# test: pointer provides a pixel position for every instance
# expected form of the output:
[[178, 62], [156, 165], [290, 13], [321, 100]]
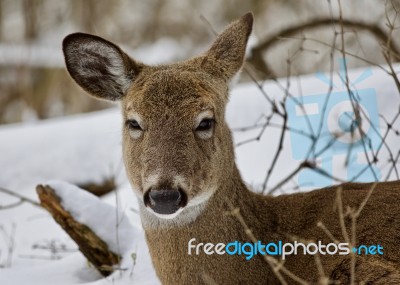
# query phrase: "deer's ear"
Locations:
[[98, 66], [226, 55]]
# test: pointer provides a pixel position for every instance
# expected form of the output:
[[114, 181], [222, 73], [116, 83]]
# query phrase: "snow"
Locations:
[[60, 149], [70, 270], [87, 148]]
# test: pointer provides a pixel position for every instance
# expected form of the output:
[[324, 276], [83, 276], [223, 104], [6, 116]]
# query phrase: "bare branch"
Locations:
[[22, 198], [257, 60]]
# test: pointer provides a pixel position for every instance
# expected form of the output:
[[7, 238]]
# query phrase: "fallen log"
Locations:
[[91, 246]]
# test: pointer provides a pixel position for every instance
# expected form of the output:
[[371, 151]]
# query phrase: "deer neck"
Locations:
[[169, 246]]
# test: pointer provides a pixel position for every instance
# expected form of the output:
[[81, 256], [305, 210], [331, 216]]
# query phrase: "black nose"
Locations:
[[165, 201]]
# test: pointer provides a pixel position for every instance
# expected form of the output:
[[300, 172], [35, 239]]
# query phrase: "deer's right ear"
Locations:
[[100, 67]]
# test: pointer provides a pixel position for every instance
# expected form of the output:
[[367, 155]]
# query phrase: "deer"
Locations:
[[179, 158]]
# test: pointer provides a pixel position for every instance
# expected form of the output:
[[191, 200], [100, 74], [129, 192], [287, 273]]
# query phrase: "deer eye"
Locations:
[[205, 125], [135, 130], [133, 125]]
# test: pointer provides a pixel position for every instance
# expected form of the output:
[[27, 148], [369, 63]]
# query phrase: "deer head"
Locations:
[[177, 147]]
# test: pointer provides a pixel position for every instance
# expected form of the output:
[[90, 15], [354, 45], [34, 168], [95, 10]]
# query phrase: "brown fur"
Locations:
[[169, 151]]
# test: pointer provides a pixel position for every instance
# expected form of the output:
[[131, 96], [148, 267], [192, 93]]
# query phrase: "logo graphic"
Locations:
[[336, 130], [279, 248]]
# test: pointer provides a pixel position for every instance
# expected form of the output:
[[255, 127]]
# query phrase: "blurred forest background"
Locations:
[[34, 84]]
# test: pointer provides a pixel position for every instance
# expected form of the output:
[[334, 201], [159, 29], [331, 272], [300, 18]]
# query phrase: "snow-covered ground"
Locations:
[[86, 148]]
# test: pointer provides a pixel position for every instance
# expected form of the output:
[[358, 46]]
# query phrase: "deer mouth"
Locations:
[[165, 201]]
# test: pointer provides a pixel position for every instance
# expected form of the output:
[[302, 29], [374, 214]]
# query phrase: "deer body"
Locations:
[[281, 218], [179, 158]]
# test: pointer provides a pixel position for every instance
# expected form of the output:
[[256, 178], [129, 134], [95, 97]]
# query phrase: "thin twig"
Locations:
[[22, 198]]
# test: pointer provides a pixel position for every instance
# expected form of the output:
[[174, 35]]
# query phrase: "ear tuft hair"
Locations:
[[98, 66]]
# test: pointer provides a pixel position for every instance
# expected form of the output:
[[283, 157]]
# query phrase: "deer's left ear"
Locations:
[[226, 55]]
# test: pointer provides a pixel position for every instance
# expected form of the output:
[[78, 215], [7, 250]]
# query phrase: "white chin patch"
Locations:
[[166, 217], [190, 213], [200, 199]]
